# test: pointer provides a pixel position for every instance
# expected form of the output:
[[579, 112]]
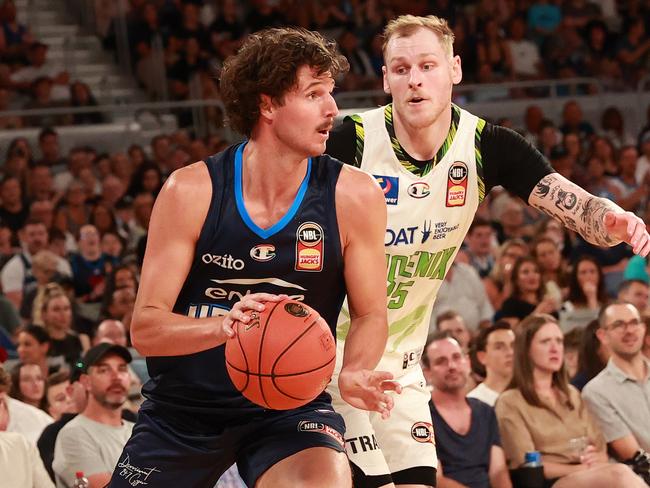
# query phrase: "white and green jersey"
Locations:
[[429, 213]]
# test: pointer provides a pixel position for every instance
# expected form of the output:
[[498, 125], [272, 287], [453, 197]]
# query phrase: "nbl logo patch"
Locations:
[[422, 432], [309, 247], [457, 184], [309, 426]]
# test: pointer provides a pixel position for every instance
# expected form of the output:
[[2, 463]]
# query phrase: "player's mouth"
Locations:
[[324, 131], [415, 100]]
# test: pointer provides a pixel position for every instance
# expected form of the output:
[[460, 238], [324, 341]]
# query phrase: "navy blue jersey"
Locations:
[[300, 256]]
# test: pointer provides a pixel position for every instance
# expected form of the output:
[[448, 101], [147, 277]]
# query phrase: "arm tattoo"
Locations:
[[574, 207]]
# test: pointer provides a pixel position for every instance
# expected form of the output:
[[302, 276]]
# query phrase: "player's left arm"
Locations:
[[598, 220], [523, 170], [361, 213]]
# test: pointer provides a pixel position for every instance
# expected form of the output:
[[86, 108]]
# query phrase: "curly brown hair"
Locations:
[[267, 63]]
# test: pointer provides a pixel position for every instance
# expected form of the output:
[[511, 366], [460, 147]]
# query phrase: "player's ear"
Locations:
[[456, 70], [266, 106], [385, 81]]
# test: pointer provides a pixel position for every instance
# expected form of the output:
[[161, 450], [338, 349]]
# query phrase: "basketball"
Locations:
[[283, 358]]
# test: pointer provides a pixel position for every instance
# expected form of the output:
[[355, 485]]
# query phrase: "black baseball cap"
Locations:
[[94, 354]]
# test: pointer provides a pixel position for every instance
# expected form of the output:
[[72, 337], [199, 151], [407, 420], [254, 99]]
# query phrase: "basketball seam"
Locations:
[[271, 375], [261, 349], [243, 353]]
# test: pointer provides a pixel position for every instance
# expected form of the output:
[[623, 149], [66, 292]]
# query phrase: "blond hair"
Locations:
[[407, 25]]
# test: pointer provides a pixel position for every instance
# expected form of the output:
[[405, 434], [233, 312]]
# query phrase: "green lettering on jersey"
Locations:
[[441, 269]]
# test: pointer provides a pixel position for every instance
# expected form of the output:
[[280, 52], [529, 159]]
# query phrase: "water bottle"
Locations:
[[532, 459], [80, 481]]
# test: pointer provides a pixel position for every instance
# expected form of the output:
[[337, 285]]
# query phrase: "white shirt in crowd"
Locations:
[[26, 420], [20, 463], [485, 394]]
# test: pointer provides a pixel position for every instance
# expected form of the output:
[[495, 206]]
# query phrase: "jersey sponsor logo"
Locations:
[[319, 427], [441, 229], [419, 189], [236, 289], [225, 261], [422, 432], [405, 235], [457, 184], [263, 252], [390, 186], [403, 271], [411, 358], [203, 310], [363, 443], [309, 247]]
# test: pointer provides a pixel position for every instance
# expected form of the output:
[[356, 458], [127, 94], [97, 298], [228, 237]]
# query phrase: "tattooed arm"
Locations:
[[598, 220]]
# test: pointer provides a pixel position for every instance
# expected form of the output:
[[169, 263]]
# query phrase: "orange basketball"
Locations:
[[283, 358]]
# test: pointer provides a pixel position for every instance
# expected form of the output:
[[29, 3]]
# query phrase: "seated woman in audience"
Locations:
[[33, 345], [528, 295], [57, 318], [28, 385], [542, 412], [59, 400], [498, 285], [592, 357], [547, 254], [586, 294]]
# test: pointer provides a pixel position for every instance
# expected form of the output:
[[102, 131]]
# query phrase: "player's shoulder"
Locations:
[[356, 184], [187, 183]]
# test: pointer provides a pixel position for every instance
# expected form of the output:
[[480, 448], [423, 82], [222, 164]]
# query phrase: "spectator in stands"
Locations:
[[73, 212], [544, 17], [22, 418], [586, 294], [643, 163], [20, 464], [48, 143], [632, 195], [619, 397], [547, 254], [636, 292], [480, 240], [41, 92], [462, 290], [227, 31], [28, 385], [524, 54], [13, 209], [142, 207], [15, 38], [81, 96], [137, 156], [90, 266], [120, 305], [78, 159], [113, 189], [632, 51], [466, 430], [59, 400], [361, 75], [103, 219], [161, 149], [573, 121], [498, 285], [543, 412], [147, 178], [613, 127], [33, 344], [572, 341], [597, 183], [603, 148], [493, 50], [113, 245], [57, 320], [592, 357], [92, 441], [494, 350], [8, 121], [20, 146], [533, 121], [528, 294], [39, 68], [41, 184], [452, 323], [17, 273], [263, 15]]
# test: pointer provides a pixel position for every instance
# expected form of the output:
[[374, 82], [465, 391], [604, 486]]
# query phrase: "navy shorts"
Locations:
[[163, 452]]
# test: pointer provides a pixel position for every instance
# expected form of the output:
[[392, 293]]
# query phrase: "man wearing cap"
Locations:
[[92, 441]]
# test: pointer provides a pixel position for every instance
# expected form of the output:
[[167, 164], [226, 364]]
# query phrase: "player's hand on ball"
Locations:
[[240, 312], [366, 389]]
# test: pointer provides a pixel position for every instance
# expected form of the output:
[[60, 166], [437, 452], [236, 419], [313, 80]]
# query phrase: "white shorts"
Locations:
[[404, 441]]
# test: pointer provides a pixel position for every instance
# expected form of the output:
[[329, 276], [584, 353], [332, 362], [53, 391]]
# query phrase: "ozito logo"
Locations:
[[263, 252], [419, 189], [226, 261], [390, 186], [422, 432]]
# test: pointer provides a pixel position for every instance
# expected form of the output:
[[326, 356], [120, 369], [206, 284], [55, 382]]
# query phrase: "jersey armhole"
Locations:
[[480, 125], [359, 136]]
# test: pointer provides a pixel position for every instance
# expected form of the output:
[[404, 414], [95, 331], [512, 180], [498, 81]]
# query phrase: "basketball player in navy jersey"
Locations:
[[435, 163], [262, 220]]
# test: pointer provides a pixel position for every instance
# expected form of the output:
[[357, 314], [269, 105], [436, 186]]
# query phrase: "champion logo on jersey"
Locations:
[[309, 247], [457, 184], [419, 189], [263, 252], [390, 186]]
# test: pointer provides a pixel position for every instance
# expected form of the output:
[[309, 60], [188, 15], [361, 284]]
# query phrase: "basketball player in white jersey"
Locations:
[[435, 163]]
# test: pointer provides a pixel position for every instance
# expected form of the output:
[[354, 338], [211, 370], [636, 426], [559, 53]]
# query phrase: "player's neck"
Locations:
[[271, 172], [423, 143]]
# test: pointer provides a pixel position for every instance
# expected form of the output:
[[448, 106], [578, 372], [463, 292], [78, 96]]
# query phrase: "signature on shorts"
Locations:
[[132, 474]]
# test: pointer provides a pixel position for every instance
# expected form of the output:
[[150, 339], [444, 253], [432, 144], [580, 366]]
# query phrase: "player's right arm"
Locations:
[[176, 222]]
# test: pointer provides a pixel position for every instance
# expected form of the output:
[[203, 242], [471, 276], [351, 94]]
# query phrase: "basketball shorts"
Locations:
[[164, 453], [400, 449]]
